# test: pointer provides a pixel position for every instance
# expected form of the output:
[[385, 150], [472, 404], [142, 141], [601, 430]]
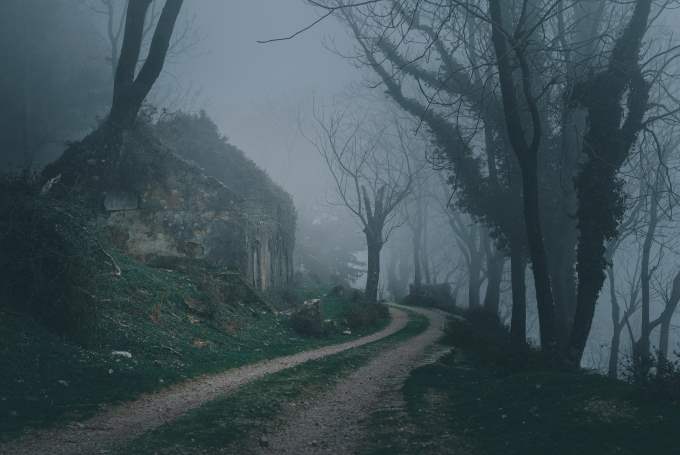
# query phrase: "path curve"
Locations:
[[129, 420], [332, 423]]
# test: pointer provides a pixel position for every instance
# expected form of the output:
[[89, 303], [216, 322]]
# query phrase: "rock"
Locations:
[[120, 201], [124, 354], [200, 344], [264, 442]]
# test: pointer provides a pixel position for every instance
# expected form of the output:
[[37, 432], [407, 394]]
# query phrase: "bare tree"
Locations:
[[114, 12], [543, 84], [621, 314], [609, 137], [671, 301], [372, 174], [526, 147], [131, 88]]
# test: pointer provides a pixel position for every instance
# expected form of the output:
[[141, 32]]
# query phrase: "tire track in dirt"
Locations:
[[333, 423], [113, 428]]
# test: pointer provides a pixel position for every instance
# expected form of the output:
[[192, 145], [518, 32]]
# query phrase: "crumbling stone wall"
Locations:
[[156, 204]]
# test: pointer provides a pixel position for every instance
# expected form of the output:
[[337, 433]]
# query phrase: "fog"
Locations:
[[258, 92], [489, 184]]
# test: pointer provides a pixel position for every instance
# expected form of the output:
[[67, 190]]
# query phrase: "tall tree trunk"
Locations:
[[424, 252], [417, 275], [392, 279], [527, 155], [495, 263], [617, 326], [518, 265], [664, 338], [607, 144], [539, 263], [374, 246], [643, 345], [667, 317], [561, 231], [474, 278]]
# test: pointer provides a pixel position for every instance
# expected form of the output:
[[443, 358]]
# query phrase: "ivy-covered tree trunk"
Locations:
[[609, 138], [613, 368]]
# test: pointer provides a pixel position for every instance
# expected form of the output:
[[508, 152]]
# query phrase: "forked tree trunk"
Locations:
[[527, 155], [607, 144], [130, 91]]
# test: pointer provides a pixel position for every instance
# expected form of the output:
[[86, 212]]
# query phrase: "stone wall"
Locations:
[[268, 210], [156, 205]]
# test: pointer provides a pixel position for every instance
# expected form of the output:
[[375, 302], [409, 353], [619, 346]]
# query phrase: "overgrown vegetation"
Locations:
[[353, 313], [48, 259], [162, 318], [196, 138], [477, 400], [84, 326]]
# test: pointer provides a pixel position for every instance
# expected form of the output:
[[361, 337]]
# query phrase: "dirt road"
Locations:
[[104, 432], [333, 423]]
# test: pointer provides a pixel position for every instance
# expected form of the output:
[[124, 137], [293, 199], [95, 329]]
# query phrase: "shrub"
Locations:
[[361, 315], [47, 259], [654, 376], [307, 321], [483, 337], [431, 295]]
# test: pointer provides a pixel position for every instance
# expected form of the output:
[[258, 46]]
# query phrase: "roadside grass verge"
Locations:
[[223, 425], [175, 324], [466, 404]]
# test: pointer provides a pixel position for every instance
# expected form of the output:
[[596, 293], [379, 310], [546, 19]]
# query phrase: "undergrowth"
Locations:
[[161, 317], [475, 400]]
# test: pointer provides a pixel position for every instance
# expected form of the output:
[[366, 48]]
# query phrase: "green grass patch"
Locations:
[[46, 378], [464, 404], [221, 425]]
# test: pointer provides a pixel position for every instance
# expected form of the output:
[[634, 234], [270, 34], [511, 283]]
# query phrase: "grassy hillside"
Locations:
[[174, 323], [225, 424]]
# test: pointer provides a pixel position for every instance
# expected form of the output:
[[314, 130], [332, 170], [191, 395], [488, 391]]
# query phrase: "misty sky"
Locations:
[[255, 92]]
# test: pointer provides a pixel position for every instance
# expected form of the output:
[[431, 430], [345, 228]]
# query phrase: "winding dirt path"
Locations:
[[332, 424], [127, 421]]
